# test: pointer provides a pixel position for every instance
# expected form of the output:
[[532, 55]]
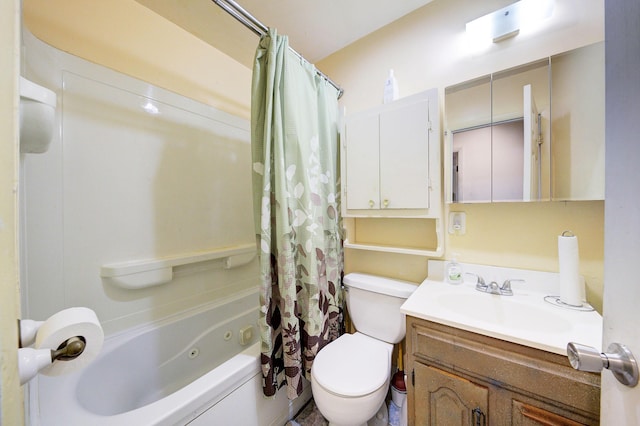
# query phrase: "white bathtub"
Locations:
[[188, 369]]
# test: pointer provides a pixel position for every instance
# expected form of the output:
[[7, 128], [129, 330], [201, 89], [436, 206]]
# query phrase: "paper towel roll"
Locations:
[[70, 323], [571, 284]]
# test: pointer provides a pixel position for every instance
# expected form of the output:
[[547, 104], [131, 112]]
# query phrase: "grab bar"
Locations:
[[139, 274]]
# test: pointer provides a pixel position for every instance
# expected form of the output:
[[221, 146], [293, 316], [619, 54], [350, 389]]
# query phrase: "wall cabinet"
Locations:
[[391, 166], [459, 377], [392, 158], [388, 157]]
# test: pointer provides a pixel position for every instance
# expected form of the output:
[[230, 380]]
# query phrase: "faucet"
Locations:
[[493, 287]]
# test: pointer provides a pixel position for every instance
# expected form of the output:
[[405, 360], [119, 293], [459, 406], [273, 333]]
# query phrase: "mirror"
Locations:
[[529, 133]]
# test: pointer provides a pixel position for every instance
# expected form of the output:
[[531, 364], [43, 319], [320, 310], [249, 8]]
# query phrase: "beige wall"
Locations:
[[426, 49], [11, 404]]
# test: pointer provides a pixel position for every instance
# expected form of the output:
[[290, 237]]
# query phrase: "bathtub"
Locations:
[[191, 369]]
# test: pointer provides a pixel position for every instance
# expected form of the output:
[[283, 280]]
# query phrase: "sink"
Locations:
[[524, 318], [504, 311]]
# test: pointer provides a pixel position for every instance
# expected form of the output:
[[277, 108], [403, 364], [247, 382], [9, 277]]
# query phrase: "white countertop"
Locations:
[[524, 318]]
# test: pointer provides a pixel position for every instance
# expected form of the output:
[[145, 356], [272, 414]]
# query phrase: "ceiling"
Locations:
[[316, 29]]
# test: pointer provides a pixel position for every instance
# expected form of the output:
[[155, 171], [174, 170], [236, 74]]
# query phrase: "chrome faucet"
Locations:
[[493, 287]]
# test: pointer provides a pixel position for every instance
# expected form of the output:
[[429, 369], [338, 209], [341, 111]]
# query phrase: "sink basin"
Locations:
[[504, 311], [524, 318]]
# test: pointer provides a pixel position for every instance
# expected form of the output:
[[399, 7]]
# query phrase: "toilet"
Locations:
[[350, 376]]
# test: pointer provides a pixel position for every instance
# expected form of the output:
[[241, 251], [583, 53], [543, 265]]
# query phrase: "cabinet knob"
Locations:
[[386, 203], [371, 203]]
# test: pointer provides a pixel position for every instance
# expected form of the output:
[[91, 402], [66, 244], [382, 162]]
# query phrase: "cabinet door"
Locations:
[[442, 398], [404, 156], [362, 163]]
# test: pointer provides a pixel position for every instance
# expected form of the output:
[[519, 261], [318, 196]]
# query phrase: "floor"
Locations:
[[308, 416]]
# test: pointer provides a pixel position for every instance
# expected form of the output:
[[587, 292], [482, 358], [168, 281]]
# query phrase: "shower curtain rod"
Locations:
[[249, 21]]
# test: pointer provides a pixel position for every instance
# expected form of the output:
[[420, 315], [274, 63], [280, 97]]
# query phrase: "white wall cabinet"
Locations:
[[388, 153], [391, 163]]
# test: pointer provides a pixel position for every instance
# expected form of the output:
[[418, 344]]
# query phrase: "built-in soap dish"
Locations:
[[37, 116], [555, 301]]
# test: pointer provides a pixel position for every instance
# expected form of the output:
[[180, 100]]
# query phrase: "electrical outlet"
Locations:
[[457, 223]]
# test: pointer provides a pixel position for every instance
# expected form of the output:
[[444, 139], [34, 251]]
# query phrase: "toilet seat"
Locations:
[[353, 365]]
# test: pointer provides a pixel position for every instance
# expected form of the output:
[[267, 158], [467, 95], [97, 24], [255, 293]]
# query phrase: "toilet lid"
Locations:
[[353, 365]]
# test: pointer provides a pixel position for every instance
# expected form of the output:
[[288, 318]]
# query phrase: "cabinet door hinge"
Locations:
[[413, 378], [429, 125]]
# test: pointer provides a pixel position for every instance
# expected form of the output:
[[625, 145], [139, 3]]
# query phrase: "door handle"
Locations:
[[618, 359]]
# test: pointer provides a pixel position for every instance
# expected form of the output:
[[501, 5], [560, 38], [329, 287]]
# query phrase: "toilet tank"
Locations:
[[374, 305]]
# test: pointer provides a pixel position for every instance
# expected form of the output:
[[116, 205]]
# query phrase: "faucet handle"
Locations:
[[479, 280], [506, 286]]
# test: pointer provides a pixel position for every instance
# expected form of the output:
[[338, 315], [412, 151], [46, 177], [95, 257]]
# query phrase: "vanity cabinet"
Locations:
[[460, 377]]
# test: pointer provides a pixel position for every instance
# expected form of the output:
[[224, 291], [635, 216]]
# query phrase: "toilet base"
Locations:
[[340, 411]]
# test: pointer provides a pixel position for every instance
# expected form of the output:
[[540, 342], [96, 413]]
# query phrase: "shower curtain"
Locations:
[[294, 137]]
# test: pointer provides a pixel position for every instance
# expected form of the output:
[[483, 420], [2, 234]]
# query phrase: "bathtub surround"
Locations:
[[134, 173], [294, 116]]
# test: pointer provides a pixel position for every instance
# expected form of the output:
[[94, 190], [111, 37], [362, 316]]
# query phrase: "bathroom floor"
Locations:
[[308, 416]]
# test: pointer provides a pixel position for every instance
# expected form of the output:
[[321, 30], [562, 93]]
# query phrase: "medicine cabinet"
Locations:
[[530, 133]]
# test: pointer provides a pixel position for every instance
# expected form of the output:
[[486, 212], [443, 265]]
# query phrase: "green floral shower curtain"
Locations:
[[294, 133]]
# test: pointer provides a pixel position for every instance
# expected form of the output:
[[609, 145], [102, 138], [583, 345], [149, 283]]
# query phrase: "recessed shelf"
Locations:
[[419, 237], [392, 249]]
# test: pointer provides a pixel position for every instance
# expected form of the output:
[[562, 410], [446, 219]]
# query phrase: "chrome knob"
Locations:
[[371, 203], [386, 203], [618, 359]]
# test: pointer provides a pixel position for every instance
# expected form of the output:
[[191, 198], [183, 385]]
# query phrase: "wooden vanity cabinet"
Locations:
[[456, 377]]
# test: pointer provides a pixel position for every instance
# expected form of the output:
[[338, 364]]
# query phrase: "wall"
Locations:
[[427, 49], [11, 411]]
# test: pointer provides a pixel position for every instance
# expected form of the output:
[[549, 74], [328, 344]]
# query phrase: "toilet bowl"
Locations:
[[350, 376], [350, 379]]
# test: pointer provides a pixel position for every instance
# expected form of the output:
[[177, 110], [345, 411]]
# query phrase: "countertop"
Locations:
[[524, 318]]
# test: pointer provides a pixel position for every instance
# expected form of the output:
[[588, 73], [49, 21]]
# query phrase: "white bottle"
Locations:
[[454, 272], [390, 88]]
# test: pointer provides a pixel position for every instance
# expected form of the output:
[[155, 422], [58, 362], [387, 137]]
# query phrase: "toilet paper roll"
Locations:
[[68, 323], [571, 284]]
